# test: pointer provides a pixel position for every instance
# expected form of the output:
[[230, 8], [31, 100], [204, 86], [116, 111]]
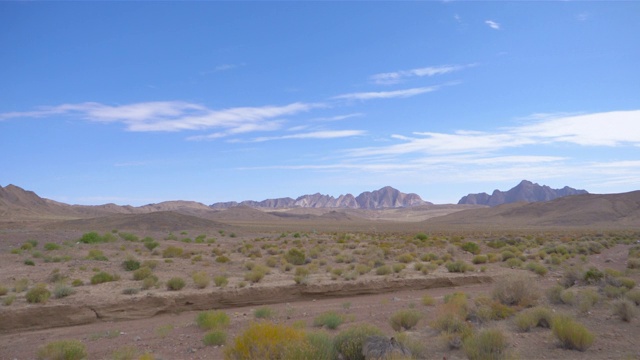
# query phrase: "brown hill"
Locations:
[[587, 210]]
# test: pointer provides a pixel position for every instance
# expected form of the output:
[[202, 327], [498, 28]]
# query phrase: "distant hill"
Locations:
[[588, 210], [526, 191], [386, 197]]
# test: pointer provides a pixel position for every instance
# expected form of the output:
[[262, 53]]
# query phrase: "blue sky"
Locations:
[[142, 102]]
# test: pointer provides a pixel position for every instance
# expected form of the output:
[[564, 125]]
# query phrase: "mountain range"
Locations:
[[525, 191], [386, 197]]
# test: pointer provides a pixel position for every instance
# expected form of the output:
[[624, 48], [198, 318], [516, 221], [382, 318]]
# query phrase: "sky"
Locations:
[[143, 102]]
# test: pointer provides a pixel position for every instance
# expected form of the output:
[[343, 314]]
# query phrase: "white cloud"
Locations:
[[328, 134], [492, 24], [397, 76], [175, 115], [387, 94]]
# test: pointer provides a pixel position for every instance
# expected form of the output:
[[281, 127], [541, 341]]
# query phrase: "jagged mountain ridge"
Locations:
[[525, 191], [386, 197]]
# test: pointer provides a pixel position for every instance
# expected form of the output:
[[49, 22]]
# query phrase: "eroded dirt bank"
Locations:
[[36, 317]]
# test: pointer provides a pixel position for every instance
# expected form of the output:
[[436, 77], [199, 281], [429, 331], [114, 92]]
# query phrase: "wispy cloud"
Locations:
[[387, 94], [398, 76], [175, 116], [327, 134], [337, 117], [492, 24]]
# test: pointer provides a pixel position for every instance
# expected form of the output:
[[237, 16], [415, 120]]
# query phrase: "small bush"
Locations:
[[51, 246], [263, 313], [151, 245], [471, 247], [265, 340], [102, 277], [384, 270], [593, 275], [405, 319], [9, 300], [405, 258], [634, 296], [537, 268], [331, 320], [222, 259], [38, 294], [572, 335], [295, 256], [95, 254], [220, 280], [624, 309], [3, 290], [175, 284], [215, 338], [212, 320], [91, 238], [142, 273], [428, 300], [535, 317], [320, 346], [516, 290], [349, 343], [480, 259], [131, 264], [77, 282], [62, 290], [201, 279], [487, 344], [172, 252], [554, 294], [381, 347], [63, 350], [149, 282], [29, 262], [458, 266]]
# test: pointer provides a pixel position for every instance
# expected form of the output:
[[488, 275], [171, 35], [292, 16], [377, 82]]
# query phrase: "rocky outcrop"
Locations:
[[526, 191]]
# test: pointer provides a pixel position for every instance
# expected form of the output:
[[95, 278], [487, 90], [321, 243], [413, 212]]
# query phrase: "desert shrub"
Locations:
[[553, 294], [593, 275], [142, 273], [381, 347], [295, 256], [429, 257], [471, 247], [384, 270], [572, 335], [486, 344], [77, 282], [149, 282], [9, 300], [131, 264], [458, 266], [614, 292], [627, 282], [349, 343], [362, 269], [624, 309], [175, 284], [38, 294], [130, 291], [128, 237], [428, 300], [3, 290], [320, 346], [125, 353], [633, 263], [151, 244], [102, 277], [398, 267], [329, 319], [220, 280], [91, 238], [405, 319], [480, 259], [21, 285], [215, 338], [95, 254], [151, 264], [506, 255], [265, 340], [405, 258], [172, 252], [568, 297], [212, 320], [255, 275], [516, 290], [634, 296], [51, 246], [200, 279], [222, 259], [29, 262], [63, 350], [263, 313], [571, 277], [586, 299], [534, 317], [513, 263], [422, 236], [537, 268], [62, 290], [485, 309]]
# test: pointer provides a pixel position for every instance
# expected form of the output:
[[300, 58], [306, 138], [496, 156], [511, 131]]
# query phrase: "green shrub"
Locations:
[[222, 259], [63, 350], [398, 267], [102, 277], [62, 290], [486, 344], [200, 279], [265, 340], [634, 296], [405, 319], [516, 290], [220, 280], [151, 245], [29, 262], [51, 246], [537, 268], [458, 266], [330, 319], [535, 317], [471, 247], [320, 347], [172, 252], [422, 236], [38, 294], [21, 285], [128, 237], [624, 309], [295, 256], [593, 275], [215, 338], [554, 294], [614, 292], [91, 238], [175, 284], [627, 282], [254, 275], [405, 258], [633, 263], [131, 264], [9, 300], [572, 335], [3, 290], [384, 270], [480, 259], [349, 343], [95, 254], [142, 273], [428, 300], [212, 320], [149, 282], [263, 313]]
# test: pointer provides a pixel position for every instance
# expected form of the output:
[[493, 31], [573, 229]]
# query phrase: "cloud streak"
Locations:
[[398, 76], [492, 24], [386, 94]]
